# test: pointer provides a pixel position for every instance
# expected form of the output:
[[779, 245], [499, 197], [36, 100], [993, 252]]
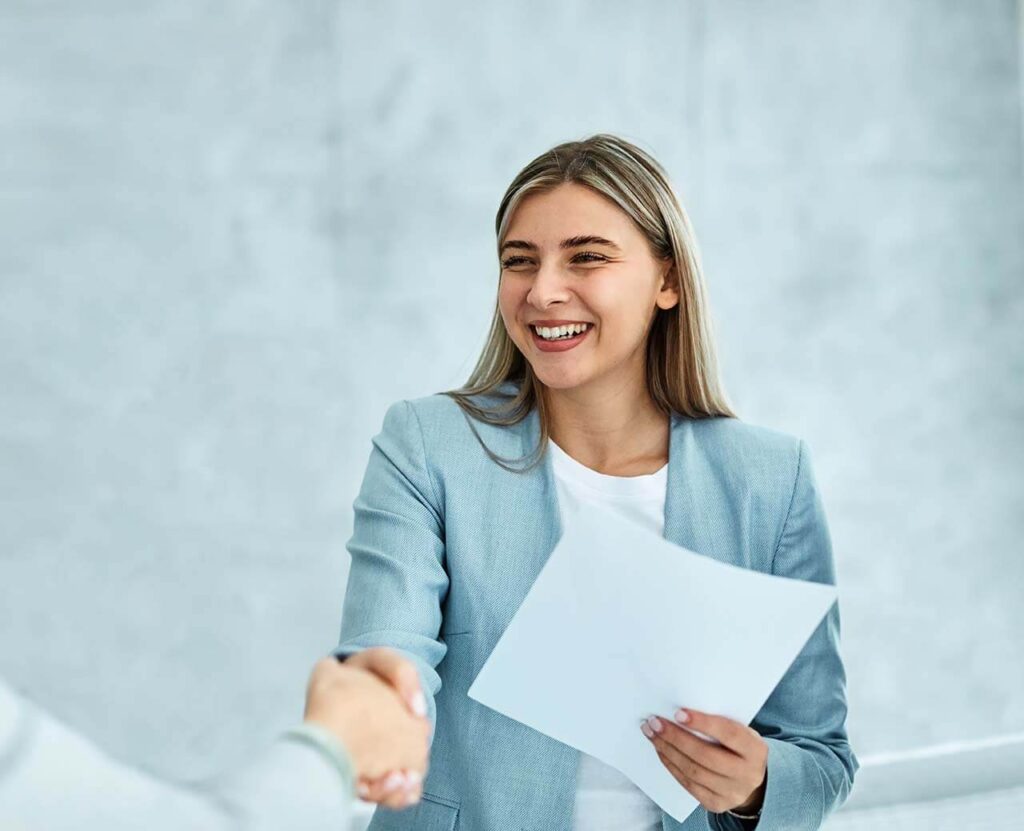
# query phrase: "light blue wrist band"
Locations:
[[329, 746]]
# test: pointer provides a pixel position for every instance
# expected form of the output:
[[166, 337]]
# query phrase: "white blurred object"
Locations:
[[958, 785], [992, 811], [52, 779]]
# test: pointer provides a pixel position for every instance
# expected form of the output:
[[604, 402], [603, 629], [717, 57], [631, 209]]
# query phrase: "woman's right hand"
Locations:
[[397, 788], [376, 719]]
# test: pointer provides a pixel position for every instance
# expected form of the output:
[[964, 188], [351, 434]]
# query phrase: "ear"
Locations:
[[668, 295]]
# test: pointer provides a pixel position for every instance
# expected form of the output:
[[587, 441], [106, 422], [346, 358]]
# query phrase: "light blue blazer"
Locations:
[[446, 544]]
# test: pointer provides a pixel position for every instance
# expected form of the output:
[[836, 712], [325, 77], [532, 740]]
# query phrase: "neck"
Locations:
[[619, 432]]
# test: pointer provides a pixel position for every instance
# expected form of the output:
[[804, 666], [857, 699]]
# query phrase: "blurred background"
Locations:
[[235, 231]]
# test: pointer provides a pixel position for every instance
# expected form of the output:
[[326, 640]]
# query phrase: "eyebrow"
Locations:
[[571, 242]]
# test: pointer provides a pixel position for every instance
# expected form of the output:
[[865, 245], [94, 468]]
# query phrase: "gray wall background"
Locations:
[[234, 232]]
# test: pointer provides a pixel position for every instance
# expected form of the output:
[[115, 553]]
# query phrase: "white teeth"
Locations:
[[554, 333]]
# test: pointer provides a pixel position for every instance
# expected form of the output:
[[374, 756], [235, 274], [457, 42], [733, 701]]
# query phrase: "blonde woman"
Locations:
[[597, 383]]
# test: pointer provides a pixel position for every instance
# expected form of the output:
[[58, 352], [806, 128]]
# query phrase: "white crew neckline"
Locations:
[[643, 486]]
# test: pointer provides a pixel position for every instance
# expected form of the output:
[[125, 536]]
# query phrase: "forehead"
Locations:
[[570, 210]]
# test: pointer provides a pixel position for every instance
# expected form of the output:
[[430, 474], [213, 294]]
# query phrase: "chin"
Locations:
[[559, 380]]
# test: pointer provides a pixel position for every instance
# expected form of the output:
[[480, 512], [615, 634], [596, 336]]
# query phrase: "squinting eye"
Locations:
[[586, 256]]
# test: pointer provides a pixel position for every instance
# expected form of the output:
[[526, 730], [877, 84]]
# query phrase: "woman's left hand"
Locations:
[[729, 776]]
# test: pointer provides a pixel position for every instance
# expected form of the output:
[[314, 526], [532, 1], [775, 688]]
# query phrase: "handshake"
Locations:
[[374, 705]]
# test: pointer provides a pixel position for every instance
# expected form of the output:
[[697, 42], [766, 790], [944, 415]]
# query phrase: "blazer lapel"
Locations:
[[686, 522], [682, 511], [680, 504], [535, 500]]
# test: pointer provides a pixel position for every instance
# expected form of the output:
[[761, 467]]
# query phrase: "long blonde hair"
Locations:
[[682, 371]]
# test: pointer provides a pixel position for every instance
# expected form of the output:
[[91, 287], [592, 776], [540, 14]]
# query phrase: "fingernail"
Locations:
[[646, 730], [419, 703], [656, 724], [413, 777], [393, 780], [682, 716], [363, 790], [412, 798]]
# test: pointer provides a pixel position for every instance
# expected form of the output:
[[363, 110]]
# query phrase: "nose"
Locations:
[[549, 286]]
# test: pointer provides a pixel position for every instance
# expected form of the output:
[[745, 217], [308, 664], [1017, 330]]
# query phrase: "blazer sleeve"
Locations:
[[810, 763], [397, 581]]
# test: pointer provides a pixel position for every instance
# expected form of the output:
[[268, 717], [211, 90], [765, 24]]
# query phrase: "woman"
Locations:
[[600, 351]]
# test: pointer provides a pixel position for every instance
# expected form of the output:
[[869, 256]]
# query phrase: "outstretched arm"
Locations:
[[397, 581]]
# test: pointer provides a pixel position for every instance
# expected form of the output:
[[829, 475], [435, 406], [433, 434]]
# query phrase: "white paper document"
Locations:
[[622, 624]]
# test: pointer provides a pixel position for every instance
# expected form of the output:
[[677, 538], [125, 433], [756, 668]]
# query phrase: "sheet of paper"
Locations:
[[622, 624]]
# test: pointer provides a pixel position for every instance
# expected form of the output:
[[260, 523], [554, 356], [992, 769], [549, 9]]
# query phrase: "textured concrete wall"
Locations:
[[235, 231]]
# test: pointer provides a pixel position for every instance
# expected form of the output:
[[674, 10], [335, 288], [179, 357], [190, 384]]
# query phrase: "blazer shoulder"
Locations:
[[450, 434], [747, 452], [438, 411], [435, 411], [742, 435]]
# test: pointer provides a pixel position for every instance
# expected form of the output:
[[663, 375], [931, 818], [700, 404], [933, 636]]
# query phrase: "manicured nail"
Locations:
[[656, 724], [413, 777], [647, 731], [393, 780], [419, 703], [682, 716]]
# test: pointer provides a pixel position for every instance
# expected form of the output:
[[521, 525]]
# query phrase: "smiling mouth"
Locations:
[[559, 344], [556, 338]]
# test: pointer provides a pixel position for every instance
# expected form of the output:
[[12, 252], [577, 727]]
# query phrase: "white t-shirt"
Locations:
[[605, 799]]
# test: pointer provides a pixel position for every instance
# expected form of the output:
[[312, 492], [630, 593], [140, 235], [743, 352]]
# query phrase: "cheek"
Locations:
[[509, 301]]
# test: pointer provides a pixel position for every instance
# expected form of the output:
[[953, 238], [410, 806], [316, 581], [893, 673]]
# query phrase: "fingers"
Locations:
[[735, 736], [417, 756], [719, 777], [395, 670], [693, 770], [711, 800], [715, 758], [397, 789]]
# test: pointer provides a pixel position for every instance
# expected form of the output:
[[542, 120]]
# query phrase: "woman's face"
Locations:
[[551, 275]]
